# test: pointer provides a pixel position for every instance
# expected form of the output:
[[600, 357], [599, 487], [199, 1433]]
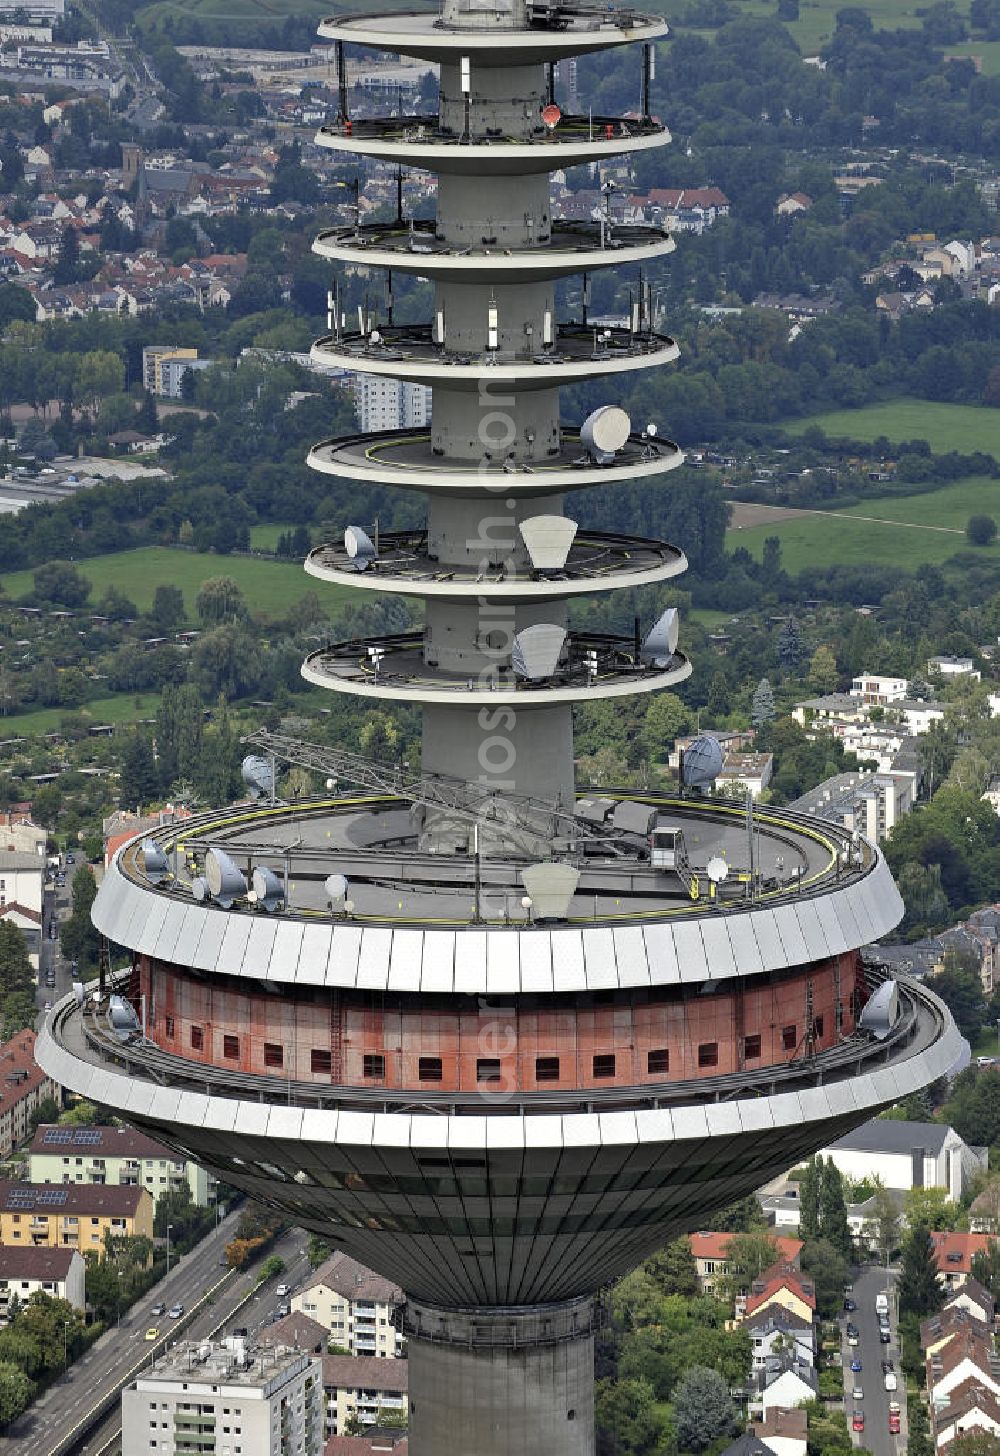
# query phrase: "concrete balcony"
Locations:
[[572, 247], [580, 351], [598, 562], [402, 675], [553, 32], [421, 141], [406, 458]]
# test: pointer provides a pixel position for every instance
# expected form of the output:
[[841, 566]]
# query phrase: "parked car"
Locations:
[[881, 1304], [887, 1365], [856, 1365], [893, 1424], [857, 1393], [890, 1381], [71, 858], [858, 1421], [885, 1337], [284, 1290], [852, 1340], [48, 1006], [852, 1328], [283, 1310], [850, 1306]]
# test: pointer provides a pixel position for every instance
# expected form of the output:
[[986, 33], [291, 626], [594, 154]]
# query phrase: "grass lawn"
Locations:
[[988, 52], [121, 708], [986, 1044], [944, 426], [709, 618], [881, 537], [265, 538], [817, 20], [271, 587]]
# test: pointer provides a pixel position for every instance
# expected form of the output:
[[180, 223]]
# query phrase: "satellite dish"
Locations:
[[660, 642], [225, 879], [154, 862], [359, 547], [551, 886], [604, 432], [551, 115], [337, 890], [199, 889], [717, 869], [535, 651], [268, 889], [258, 775], [702, 762], [548, 540]]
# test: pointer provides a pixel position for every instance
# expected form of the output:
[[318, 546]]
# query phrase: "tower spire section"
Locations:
[[496, 667]]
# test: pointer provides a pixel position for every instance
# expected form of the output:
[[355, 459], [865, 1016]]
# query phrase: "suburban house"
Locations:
[[29, 1270], [972, 1407], [784, 1384], [710, 1251], [782, 1430], [965, 1359], [773, 1329], [975, 1300], [905, 1155], [355, 1306], [952, 1323], [780, 1287], [954, 1253]]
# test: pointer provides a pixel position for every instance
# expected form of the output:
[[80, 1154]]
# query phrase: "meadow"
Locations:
[[945, 427], [270, 587]]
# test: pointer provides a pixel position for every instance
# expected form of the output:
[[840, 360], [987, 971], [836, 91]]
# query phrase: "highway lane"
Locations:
[[239, 1302], [876, 1437]]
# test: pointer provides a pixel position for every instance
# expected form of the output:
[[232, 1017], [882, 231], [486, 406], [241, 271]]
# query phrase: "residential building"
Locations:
[[710, 1252], [77, 1216], [746, 1445], [752, 770], [22, 876], [230, 1399], [774, 1329], [973, 1407], [377, 1441], [18, 835], [868, 803], [23, 1088], [362, 1387], [948, 666], [781, 1210], [791, 203], [780, 1287], [172, 371], [298, 1332], [954, 1253], [782, 1430], [877, 690], [114, 1156], [30, 1270], [960, 1361], [391, 404], [908, 1155], [954, 1322], [153, 358], [976, 1300], [355, 1305], [784, 1384], [831, 710]]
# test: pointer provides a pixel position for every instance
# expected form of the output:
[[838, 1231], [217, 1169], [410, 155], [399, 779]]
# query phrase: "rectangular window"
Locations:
[[374, 1065], [274, 1054], [604, 1066], [658, 1061], [789, 1038], [429, 1069], [197, 1038], [488, 1069], [751, 1047], [231, 1047], [320, 1061], [708, 1054], [170, 1026], [546, 1069], [818, 1026]]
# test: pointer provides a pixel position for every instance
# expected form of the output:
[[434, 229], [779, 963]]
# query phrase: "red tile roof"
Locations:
[[365, 1372], [362, 1446], [715, 1246], [18, 1056], [953, 1252], [773, 1280]]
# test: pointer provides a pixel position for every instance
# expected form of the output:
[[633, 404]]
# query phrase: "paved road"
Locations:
[[875, 1437], [56, 906], [123, 1351]]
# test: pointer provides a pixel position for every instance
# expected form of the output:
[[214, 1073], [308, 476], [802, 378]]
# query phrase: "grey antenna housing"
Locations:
[[604, 432], [535, 651], [551, 886], [268, 888], [360, 548], [199, 888], [225, 879], [548, 540], [337, 890], [881, 1011], [660, 642], [258, 775], [154, 862], [702, 762]]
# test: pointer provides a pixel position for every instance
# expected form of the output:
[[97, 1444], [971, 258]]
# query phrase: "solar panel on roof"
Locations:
[[58, 1135], [87, 1135], [20, 1198], [52, 1196]]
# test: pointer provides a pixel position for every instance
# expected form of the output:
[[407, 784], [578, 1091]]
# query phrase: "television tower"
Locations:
[[497, 1041]]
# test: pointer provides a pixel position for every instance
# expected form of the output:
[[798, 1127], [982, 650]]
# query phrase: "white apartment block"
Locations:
[[228, 1399], [364, 1388], [114, 1155], [59, 1273], [355, 1305], [391, 404], [878, 690]]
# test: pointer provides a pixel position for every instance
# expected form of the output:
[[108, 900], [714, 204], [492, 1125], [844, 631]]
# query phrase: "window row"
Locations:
[[320, 1059]]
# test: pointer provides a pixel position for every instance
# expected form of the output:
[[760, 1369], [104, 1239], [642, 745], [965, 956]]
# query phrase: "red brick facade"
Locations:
[[460, 1043]]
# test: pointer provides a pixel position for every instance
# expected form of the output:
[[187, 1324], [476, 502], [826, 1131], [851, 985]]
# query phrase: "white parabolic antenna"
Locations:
[[717, 869], [604, 431]]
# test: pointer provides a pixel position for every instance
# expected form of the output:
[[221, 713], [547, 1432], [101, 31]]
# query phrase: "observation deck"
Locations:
[[554, 32], [421, 141], [598, 561], [573, 247], [407, 459], [581, 351], [402, 674]]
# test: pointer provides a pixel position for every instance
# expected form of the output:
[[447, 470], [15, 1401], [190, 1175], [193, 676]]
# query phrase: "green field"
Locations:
[[265, 538], [259, 12], [121, 708], [891, 534], [945, 427], [988, 52], [271, 587], [817, 19]]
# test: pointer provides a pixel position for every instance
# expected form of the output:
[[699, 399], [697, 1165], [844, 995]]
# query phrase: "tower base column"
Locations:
[[514, 1381]]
